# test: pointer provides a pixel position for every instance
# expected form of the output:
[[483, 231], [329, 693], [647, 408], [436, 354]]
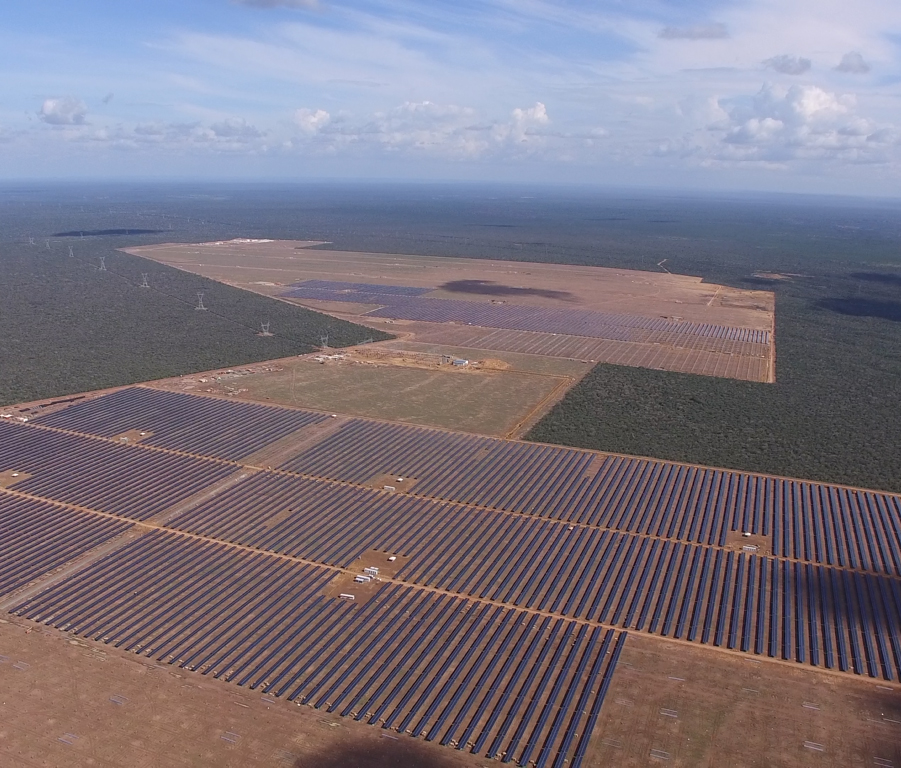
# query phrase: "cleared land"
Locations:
[[499, 396], [454, 289], [673, 705], [265, 267]]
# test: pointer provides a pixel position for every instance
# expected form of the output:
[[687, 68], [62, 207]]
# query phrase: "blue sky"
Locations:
[[792, 95]]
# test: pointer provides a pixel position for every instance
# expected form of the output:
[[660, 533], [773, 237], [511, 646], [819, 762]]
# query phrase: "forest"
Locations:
[[68, 326]]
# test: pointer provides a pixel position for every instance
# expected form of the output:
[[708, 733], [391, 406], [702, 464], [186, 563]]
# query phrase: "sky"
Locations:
[[781, 95]]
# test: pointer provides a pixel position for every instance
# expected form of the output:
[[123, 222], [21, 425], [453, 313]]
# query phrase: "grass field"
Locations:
[[487, 402]]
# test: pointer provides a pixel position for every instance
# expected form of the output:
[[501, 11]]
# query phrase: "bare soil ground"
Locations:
[[265, 266], [674, 705], [488, 397], [68, 703]]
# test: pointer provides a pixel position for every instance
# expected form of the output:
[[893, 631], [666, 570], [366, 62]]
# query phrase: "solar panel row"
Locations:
[[807, 521], [580, 347], [576, 322], [122, 480], [227, 430], [410, 660], [356, 297], [702, 594], [36, 538], [398, 304]]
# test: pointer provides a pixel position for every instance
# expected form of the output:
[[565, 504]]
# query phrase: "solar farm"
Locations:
[[495, 598], [643, 319]]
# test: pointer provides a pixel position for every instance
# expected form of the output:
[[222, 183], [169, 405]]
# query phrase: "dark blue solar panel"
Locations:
[[200, 425], [37, 537]]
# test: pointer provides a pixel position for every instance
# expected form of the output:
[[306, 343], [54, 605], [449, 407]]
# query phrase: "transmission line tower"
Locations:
[[200, 301]]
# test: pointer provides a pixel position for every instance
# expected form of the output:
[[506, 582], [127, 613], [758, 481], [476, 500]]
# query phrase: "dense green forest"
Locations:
[[66, 326]]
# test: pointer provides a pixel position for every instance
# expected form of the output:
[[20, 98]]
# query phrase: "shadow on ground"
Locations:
[[489, 288], [877, 277], [885, 310], [399, 752]]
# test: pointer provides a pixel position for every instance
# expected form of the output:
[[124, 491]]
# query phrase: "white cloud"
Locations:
[[63, 111], [799, 123], [528, 122], [853, 63], [230, 135], [789, 65], [699, 32], [440, 130], [311, 122], [235, 129]]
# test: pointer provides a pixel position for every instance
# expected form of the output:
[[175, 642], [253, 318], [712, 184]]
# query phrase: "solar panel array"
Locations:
[[581, 347], [703, 594], [400, 303], [410, 660], [227, 430], [574, 322], [122, 480], [37, 537], [524, 566], [807, 521]]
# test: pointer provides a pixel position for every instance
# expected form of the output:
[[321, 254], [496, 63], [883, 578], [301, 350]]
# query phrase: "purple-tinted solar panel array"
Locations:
[[632, 543], [124, 480], [36, 537], [573, 322], [823, 616], [404, 303], [807, 521], [410, 660], [188, 423]]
